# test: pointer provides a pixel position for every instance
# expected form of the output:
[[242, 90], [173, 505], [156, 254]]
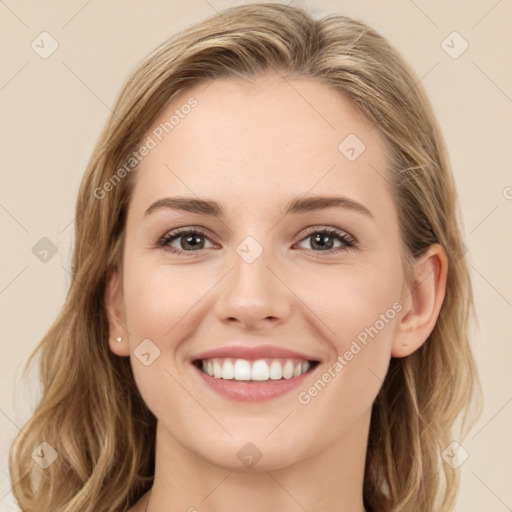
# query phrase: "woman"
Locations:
[[269, 305]]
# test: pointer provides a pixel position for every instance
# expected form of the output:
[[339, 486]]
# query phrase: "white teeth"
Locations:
[[228, 370], [242, 370], [217, 370], [276, 370], [259, 370], [288, 370]]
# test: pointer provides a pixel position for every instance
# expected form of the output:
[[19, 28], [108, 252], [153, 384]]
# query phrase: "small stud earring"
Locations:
[[119, 340]]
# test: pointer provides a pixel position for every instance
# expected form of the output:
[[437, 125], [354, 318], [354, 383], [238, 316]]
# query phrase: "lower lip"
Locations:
[[253, 391]]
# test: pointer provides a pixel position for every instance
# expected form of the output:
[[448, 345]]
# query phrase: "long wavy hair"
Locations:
[[91, 411]]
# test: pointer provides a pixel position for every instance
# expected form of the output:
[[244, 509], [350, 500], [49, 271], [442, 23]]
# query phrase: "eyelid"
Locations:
[[328, 229]]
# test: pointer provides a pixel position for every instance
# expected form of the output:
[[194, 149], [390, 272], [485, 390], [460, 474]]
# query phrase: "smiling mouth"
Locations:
[[259, 370]]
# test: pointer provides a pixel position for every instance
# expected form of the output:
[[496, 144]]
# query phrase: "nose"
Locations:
[[254, 295]]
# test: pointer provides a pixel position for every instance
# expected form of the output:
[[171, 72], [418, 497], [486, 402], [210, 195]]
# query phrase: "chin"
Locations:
[[252, 453]]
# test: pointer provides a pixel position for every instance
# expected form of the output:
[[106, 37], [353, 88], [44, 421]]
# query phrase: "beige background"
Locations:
[[52, 111]]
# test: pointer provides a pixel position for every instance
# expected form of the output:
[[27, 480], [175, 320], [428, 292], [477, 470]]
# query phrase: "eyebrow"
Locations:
[[295, 206]]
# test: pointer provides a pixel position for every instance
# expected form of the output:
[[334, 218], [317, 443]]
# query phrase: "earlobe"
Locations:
[[118, 339], [423, 300]]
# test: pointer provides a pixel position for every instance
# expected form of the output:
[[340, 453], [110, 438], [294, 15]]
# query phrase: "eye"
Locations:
[[323, 240], [190, 240]]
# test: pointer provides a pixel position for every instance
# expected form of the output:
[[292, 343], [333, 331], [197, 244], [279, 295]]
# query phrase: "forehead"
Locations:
[[265, 140]]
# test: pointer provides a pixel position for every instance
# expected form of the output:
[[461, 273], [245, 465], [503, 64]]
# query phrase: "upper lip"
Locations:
[[252, 353]]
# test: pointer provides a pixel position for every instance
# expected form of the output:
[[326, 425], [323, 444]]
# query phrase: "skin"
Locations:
[[252, 147]]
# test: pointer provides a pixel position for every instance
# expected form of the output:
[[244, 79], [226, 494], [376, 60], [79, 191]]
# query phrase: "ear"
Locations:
[[422, 301], [116, 315]]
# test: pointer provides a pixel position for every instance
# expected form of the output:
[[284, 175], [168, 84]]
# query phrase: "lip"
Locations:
[[253, 391], [252, 353]]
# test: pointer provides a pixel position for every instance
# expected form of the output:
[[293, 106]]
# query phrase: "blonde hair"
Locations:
[[91, 412]]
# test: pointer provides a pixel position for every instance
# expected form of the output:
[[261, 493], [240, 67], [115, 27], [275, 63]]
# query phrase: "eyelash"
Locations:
[[348, 242]]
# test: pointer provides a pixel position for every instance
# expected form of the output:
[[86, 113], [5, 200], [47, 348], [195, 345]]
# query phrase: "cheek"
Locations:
[[157, 297], [359, 309], [351, 301], [156, 302]]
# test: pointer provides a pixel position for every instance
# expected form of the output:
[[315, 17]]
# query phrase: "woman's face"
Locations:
[[254, 276]]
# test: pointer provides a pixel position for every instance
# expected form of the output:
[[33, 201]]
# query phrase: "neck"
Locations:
[[329, 481]]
